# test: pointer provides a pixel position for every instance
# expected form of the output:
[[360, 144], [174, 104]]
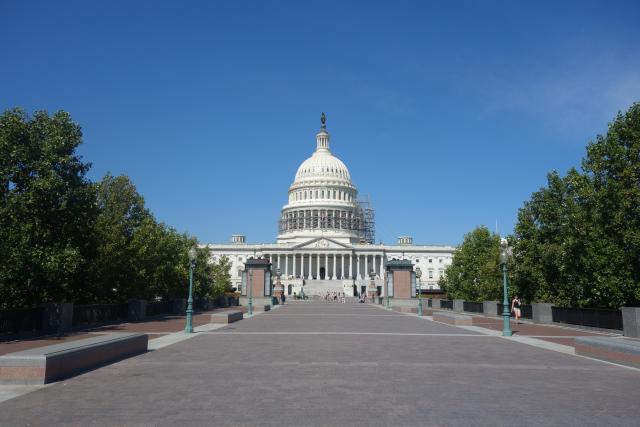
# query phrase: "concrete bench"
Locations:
[[55, 362], [452, 318], [226, 317], [617, 350], [408, 309]]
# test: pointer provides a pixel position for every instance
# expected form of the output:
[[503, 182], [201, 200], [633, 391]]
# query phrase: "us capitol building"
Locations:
[[326, 235]]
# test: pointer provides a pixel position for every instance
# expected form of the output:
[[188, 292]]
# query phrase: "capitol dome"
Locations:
[[322, 199]]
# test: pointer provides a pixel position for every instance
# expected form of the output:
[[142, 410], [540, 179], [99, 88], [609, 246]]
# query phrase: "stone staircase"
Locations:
[[321, 287]]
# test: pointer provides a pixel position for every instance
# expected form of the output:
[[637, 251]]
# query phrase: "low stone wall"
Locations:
[[617, 350], [452, 318], [51, 363]]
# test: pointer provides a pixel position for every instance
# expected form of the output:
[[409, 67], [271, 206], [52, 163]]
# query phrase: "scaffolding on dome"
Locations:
[[368, 222]]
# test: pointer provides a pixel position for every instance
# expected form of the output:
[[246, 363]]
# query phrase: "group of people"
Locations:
[[335, 297]]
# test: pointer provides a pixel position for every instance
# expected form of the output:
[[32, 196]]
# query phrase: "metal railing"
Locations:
[[526, 311], [474, 307], [446, 304], [156, 308], [97, 313], [13, 321], [594, 317]]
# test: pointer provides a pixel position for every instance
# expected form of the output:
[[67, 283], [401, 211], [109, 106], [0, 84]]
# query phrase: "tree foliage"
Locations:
[[577, 241], [63, 238], [474, 274], [47, 208]]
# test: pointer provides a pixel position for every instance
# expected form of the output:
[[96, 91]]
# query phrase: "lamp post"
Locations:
[[192, 262], [386, 282], [250, 284], [504, 255], [419, 289]]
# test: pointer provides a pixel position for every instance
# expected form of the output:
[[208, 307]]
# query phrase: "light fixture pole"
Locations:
[[192, 262], [386, 282], [250, 284], [504, 254], [419, 288]]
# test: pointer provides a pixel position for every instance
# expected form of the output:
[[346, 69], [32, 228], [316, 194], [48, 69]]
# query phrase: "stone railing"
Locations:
[[626, 319]]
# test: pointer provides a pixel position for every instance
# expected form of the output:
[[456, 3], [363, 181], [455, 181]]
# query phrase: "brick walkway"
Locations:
[[553, 333], [318, 364]]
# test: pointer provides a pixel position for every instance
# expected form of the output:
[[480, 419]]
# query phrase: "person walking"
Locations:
[[515, 308]]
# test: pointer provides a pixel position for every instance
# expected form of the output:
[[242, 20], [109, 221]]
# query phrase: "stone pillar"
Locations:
[[349, 266], [541, 312], [342, 266], [334, 266], [375, 265], [401, 272], [137, 310], [435, 303], [309, 266], [631, 321], [366, 265], [490, 308], [57, 317], [294, 265], [357, 266], [286, 265], [318, 267], [458, 305]]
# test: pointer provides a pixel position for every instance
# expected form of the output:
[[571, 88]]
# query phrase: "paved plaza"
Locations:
[[315, 363]]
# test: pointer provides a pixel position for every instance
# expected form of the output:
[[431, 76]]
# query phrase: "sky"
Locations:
[[448, 114]]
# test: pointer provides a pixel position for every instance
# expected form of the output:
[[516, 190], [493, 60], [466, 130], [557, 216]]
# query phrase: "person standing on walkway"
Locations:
[[515, 308]]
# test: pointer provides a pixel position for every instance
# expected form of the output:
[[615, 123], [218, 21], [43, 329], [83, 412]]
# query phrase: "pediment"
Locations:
[[322, 243]]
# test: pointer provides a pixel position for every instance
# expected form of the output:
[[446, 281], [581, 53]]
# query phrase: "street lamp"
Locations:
[[192, 262], [419, 288], [504, 255], [250, 284]]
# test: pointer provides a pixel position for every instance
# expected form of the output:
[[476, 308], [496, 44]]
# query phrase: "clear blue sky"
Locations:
[[448, 115]]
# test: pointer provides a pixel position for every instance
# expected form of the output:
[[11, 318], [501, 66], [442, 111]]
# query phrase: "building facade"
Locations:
[[326, 235]]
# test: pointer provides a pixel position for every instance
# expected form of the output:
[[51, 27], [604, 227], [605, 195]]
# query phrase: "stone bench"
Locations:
[[55, 362], [617, 350], [227, 317], [408, 309], [452, 318]]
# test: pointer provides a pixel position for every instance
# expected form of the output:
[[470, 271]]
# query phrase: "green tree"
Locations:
[[117, 272], [221, 277], [577, 241], [46, 209], [474, 274]]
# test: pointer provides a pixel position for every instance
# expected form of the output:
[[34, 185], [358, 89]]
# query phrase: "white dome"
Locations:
[[322, 200], [322, 164]]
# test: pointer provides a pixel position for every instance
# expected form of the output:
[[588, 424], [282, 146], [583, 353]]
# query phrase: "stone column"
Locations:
[[294, 265], [342, 266], [318, 267], [357, 266], [334, 266], [375, 266], [366, 265], [286, 265]]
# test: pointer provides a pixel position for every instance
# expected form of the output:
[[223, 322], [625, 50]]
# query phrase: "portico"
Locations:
[[327, 265]]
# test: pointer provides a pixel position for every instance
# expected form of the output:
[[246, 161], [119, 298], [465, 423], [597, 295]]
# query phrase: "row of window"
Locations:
[[440, 260], [320, 219], [320, 194]]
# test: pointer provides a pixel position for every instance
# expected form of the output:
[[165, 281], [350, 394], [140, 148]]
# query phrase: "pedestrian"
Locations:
[[515, 308], [284, 298]]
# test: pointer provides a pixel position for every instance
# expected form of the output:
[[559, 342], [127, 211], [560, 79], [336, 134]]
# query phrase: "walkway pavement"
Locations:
[[323, 364]]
